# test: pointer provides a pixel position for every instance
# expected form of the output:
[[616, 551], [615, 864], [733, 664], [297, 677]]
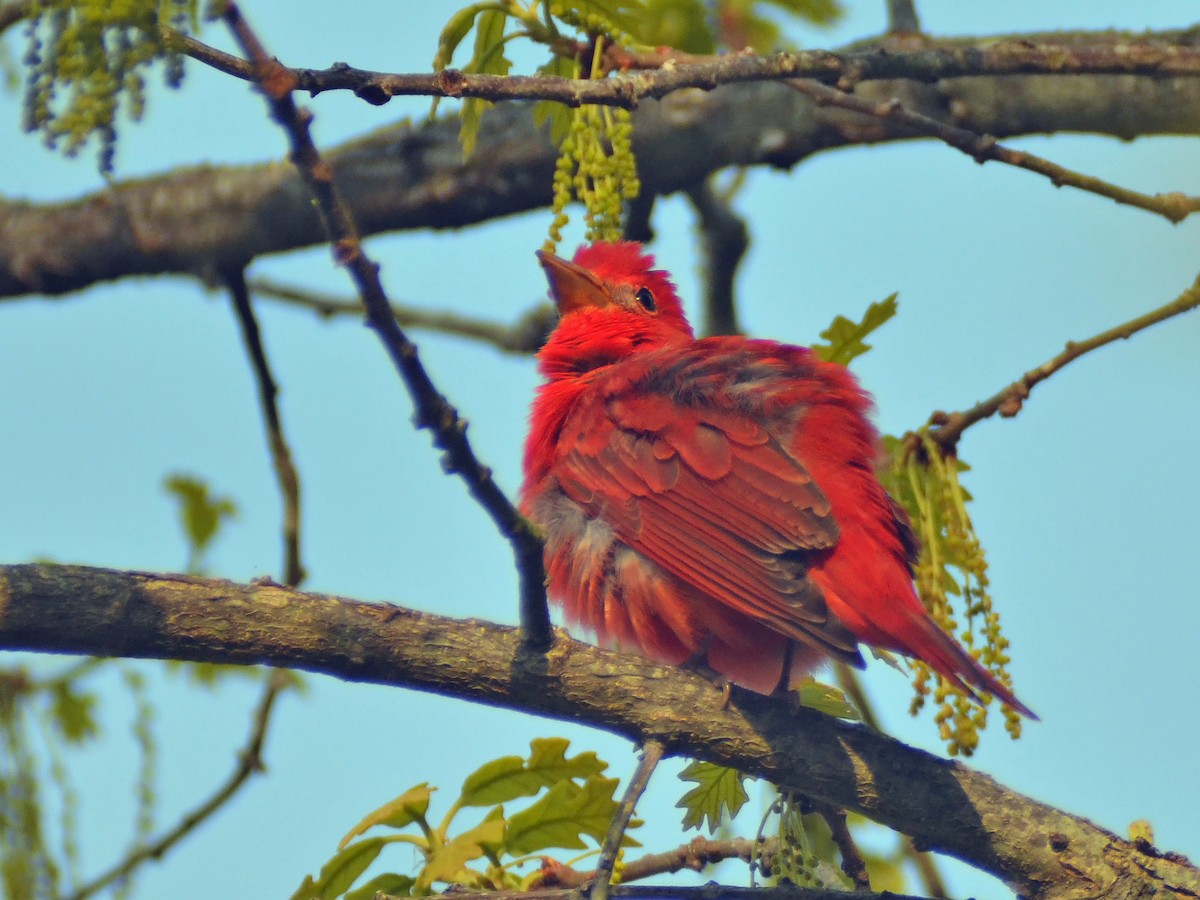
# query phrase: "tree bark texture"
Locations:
[[945, 806], [207, 219]]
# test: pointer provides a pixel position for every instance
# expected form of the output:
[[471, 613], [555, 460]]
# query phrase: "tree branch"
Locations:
[[726, 239], [524, 336], [413, 176], [902, 17], [1043, 853], [947, 428], [281, 454], [701, 892], [433, 410], [928, 64], [249, 763], [1175, 206], [652, 754]]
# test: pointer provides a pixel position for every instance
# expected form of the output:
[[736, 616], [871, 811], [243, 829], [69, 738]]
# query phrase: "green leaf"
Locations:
[[201, 513], [510, 777], [389, 883], [844, 339], [404, 810], [559, 818], [719, 790], [489, 59], [680, 24], [455, 30], [449, 860], [828, 699], [341, 872], [72, 712]]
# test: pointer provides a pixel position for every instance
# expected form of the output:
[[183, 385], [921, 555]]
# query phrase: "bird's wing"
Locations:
[[711, 496]]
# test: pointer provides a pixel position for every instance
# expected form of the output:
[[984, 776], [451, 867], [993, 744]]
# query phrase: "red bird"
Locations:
[[716, 498]]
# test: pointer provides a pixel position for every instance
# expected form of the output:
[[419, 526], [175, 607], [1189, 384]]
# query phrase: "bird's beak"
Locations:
[[572, 286]]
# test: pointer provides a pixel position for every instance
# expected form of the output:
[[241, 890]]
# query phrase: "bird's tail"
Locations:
[[944, 655]]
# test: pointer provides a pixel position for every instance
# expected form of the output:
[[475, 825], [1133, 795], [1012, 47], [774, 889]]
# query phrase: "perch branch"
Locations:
[[1041, 852], [433, 411]]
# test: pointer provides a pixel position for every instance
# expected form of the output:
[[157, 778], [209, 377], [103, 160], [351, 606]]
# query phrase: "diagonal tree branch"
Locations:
[[249, 763], [1043, 853], [433, 410], [947, 428], [1175, 207]]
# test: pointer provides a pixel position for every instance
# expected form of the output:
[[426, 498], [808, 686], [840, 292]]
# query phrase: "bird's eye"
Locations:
[[644, 297]]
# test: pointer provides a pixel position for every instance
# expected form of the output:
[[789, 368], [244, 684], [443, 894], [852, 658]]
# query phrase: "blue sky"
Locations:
[[1085, 502]]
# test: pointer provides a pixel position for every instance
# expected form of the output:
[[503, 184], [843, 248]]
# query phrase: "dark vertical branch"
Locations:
[[726, 240], [433, 410], [652, 754], [902, 17], [281, 454], [853, 863]]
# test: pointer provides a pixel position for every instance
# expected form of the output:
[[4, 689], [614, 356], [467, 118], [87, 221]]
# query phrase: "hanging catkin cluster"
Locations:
[[952, 581], [596, 167]]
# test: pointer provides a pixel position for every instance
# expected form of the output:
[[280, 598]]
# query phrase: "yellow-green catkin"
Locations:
[[84, 58], [595, 166], [952, 581]]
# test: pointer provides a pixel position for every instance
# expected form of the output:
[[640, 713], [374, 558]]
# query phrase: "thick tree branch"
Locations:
[[206, 219], [1041, 852], [433, 410]]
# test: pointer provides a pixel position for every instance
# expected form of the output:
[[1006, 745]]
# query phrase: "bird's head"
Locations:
[[611, 302]]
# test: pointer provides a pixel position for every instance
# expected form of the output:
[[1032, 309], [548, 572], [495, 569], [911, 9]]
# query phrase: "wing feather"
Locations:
[[712, 496]]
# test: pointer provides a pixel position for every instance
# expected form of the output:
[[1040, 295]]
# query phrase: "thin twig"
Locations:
[[652, 78], [696, 855], [433, 411], [947, 428], [853, 863], [902, 17], [726, 239], [652, 754], [684, 892], [1174, 206], [281, 454], [249, 763], [524, 336]]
